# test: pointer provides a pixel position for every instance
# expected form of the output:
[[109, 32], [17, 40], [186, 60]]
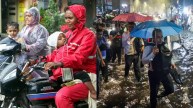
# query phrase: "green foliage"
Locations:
[[52, 19]]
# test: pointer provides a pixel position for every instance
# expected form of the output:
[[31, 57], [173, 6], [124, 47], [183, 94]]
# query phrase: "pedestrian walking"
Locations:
[[102, 43], [116, 45], [159, 58], [133, 47]]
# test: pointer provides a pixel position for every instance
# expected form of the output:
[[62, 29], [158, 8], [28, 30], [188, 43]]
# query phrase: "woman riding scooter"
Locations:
[[79, 54]]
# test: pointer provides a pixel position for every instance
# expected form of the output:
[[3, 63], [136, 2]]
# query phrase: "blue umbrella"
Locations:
[[145, 29]]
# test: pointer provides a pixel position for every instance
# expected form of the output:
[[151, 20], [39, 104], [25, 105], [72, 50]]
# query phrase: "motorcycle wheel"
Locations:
[[22, 101], [12, 103], [7, 103]]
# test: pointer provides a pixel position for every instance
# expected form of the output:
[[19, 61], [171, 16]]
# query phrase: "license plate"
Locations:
[[2, 97]]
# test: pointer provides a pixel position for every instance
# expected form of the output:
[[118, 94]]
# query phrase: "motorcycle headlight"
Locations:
[[11, 75]]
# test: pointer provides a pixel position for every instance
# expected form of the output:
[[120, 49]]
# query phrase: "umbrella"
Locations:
[[132, 17], [145, 29], [148, 18], [120, 17]]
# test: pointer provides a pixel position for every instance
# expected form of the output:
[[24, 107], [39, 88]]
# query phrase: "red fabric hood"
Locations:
[[64, 28], [80, 13]]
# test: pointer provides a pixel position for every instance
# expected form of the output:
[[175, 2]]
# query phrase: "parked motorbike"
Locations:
[[20, 92]]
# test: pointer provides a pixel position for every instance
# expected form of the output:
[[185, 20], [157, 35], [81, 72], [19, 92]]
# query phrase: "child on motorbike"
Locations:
[[57, 40], [12, 30]]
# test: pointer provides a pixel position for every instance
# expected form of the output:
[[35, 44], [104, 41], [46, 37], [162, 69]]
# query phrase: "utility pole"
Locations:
[[90, 11]]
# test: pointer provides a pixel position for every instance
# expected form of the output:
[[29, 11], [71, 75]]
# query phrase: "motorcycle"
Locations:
[[18, 91], [8, 49]]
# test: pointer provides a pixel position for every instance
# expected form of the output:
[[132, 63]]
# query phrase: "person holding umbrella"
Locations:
[[159, 58]]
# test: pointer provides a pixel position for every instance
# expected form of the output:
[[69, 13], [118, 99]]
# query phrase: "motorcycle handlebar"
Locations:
[[28, 70]]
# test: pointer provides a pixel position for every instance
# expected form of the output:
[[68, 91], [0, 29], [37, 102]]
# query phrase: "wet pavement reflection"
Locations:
[[128, 93]]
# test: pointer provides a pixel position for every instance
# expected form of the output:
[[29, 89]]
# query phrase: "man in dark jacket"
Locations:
[[116, 46], [159, 67]]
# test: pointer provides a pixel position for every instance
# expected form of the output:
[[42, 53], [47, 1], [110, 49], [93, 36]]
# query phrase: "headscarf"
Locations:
[[36, 15], [53, 39], [80, 13], [36, 18]]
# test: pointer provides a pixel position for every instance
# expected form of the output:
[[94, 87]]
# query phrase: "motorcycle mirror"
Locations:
[[25, 68]]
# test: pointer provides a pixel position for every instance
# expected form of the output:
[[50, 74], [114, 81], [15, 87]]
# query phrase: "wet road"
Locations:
[[121, 93]]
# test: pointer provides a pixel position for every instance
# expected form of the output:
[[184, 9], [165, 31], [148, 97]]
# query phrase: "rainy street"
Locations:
[[121, 93]]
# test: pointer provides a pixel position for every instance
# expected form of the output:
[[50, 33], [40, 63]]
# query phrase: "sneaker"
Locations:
[[105, 80], [163, 94]]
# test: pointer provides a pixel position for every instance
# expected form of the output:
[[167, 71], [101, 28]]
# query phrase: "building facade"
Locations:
[[13, 10]]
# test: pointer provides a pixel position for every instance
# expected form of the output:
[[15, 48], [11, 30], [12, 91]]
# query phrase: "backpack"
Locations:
[[138, 42], [136, 45]]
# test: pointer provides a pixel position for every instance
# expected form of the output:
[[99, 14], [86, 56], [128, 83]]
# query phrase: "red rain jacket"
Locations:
[[80, 51]]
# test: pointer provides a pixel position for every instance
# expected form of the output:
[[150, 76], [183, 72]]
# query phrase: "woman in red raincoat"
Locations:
[[79, 54]]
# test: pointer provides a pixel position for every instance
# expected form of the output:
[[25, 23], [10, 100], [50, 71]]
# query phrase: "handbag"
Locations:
[[67, 74], [176, 76]]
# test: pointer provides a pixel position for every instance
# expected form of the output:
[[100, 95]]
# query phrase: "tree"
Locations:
[[51, 17]]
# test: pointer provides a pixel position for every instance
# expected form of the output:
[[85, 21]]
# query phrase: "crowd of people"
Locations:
[[117, 43], [114, 43]]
